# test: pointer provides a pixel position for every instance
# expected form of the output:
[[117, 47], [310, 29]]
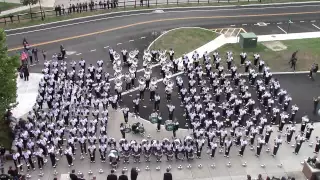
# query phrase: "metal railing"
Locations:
[[130, 4]]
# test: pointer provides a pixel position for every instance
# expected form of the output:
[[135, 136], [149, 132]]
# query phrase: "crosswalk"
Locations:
[[229, 32]]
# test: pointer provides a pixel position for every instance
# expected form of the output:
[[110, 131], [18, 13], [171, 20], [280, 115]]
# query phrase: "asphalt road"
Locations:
[[92, 39]]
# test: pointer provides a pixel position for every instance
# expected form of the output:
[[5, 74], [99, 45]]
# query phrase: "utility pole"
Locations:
[[289, 22]]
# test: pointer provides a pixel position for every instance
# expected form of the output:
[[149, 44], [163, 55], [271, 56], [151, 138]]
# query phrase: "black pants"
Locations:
[[93, 156], [53, 159], [242, 150], [83, 148], [259, 150], [26, 77], [40, 162], [29, 160], [158, 126], [297, 149], [213, 152], [275, 150], [69, 159]]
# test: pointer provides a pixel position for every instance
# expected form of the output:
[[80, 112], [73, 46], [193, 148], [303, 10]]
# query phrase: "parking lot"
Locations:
[[264, 28]]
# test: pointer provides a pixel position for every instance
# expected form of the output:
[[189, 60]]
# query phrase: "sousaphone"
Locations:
[[117, 69], [132, 54], [132, 69], [118, 82], [153, 80], [135, 62], [142, 80], [116, 56]]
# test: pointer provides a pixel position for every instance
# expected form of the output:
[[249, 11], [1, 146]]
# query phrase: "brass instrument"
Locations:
[[132, 69], [142, 80], [153, 80]]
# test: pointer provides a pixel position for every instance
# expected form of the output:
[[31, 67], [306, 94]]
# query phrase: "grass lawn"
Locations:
[[184, 40], [6, 6], [180, 4], [278, 61]]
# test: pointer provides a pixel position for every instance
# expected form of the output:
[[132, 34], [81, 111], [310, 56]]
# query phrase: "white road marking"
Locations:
[[119, 44], [94, 20], [302, 21], [233, 31], [238, 33], [244, 24], [279, 23], [106, 47], [221, 31], [78, 54], [143, 37], [232, 25], [313, 21], [282, 29], [268, 23], [93, 50], [316, 26], [131, 40]]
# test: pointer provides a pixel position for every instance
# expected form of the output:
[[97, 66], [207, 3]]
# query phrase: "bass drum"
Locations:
[[169, 125], [153, 118]]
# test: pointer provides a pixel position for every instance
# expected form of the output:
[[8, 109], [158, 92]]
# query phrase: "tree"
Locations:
[[29, 3], [8, 87]]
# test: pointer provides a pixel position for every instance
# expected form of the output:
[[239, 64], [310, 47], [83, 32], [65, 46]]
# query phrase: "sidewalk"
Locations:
[[44, 3]]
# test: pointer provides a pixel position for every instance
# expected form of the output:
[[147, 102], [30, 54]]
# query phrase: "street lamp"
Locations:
[[154, 34], [40, 10], [289, 25]]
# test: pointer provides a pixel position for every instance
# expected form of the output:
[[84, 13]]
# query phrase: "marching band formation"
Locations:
[[71, 110]]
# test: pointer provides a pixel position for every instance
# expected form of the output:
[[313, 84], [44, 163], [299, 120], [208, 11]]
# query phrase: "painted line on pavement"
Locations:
[[141, 10], [316, 26], [162, 20], [282, 29], [119, 44], [279, 23], [142, 37], [93, 50], [313, 21], [105, 47], [131, 40], [78, 54]]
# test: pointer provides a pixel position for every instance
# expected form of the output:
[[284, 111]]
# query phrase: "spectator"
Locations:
[[26, 73], [248, 177], [268, 178], [73, 175], [259, 177], [4, 177], [167, 175], [283, 178], [12, 172], [134, 174], [81, 177], [123, 176], [112, 176]]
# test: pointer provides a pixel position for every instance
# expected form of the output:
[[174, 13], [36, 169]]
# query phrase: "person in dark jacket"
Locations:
[[167, 175], [26, 73], [73, 175], [134, 174], [112, 176], [123, 176]]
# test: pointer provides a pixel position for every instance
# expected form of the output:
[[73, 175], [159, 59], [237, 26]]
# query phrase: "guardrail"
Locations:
[[133, 4]]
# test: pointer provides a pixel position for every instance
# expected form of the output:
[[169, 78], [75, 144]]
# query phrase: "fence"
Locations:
[[132, 4]]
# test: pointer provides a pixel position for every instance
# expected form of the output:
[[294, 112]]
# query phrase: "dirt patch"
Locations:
[[275, 45]]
